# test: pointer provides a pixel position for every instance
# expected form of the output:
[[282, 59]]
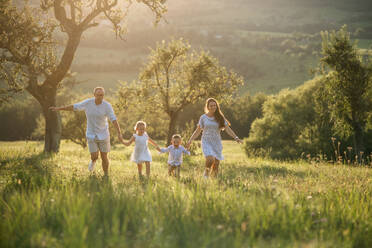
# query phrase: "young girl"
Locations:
[[141, 153], [175, 155]]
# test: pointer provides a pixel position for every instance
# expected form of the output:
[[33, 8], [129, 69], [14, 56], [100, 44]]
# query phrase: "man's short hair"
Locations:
[[98, 88], [176, 136]]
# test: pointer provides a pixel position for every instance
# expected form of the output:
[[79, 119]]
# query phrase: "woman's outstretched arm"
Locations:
[[230, 132], [196, 134]]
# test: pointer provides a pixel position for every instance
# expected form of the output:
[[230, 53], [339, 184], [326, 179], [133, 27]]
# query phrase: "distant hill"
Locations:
[[272, 43]]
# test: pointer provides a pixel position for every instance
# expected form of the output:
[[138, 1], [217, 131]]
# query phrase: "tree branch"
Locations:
[[60, 14]]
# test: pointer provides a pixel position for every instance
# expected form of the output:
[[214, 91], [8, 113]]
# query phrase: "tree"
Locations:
[[176, 77], [347, 84], [242, 111], [290, 124], [28, 50]]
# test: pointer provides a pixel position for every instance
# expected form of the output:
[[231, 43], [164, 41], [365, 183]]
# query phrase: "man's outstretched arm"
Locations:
[[68, 108]]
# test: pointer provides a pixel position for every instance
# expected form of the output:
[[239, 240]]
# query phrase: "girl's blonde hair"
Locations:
[[139, 123]]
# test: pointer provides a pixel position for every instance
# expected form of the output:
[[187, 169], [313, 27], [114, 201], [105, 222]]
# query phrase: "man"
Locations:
[[97, 111]]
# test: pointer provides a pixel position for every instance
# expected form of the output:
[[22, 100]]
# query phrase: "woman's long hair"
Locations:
[[220, 118]]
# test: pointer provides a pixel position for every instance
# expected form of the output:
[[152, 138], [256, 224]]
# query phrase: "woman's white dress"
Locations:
[[141, 151], [211, 137]]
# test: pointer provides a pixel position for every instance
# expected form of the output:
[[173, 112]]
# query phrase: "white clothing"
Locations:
[[211, 137], [95, 145], [141, 151], [97, 125], [175, 154]]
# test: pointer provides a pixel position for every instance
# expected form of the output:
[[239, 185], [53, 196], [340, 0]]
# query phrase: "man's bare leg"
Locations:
[[105, 162]]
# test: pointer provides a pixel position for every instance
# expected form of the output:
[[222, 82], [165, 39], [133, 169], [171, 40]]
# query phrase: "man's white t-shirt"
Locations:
[[97, 115]]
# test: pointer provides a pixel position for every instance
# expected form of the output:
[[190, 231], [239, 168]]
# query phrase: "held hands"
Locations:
[[123, 141], [187, 146], [238, 140], [121, 138]]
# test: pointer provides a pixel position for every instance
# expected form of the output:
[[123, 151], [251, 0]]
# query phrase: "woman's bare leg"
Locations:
[[209, 160], [215, 167]]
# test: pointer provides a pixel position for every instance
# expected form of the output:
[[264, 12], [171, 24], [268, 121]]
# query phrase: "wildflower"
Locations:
[[219, 227], [323, 220], [309, 197], [244, 226]]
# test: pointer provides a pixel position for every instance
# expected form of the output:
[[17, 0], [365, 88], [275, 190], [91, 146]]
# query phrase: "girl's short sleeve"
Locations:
[[226, 123], [201, 122]]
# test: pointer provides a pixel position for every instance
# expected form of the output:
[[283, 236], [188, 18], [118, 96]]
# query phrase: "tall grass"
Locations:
[[52, 201]]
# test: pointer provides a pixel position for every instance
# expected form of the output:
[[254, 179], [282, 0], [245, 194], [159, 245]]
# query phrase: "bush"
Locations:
[[18, 118], [290, 125]]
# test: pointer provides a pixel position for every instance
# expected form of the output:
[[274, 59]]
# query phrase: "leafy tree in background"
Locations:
[[347, 85], [28, 52], [176, 77], [291, 125], [242, 111]]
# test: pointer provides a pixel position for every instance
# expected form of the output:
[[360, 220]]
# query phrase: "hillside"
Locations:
[[247, 36]]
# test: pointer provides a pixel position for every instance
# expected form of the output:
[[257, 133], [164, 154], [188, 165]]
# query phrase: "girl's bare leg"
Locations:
[[147, 169], [139, 166]]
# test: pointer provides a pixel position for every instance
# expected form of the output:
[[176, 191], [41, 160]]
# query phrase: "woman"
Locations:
[[211, 123]]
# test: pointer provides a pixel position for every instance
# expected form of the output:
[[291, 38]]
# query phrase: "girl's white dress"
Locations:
[[141, 151], [211, 137]]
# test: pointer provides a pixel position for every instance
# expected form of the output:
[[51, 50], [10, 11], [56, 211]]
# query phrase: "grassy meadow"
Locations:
[[53, 201]]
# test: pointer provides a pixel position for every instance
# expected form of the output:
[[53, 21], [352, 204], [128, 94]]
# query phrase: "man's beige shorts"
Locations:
[[99, 145]]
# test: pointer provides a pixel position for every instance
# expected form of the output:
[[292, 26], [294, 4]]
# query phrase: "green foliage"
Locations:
[[302, 121], [55, 202], [27, 47], [290, 125], [18, 118], [347, 85], [242, 111]]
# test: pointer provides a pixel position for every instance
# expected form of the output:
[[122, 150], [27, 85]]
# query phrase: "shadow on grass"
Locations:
[[24, 173], [266, 171]]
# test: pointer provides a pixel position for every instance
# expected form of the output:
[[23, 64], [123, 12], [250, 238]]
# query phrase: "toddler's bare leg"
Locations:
[[178, 170]]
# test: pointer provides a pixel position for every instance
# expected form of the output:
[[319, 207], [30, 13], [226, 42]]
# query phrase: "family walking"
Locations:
[[97, 112]]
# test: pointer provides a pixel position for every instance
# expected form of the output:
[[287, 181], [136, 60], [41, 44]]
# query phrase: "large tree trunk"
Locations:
[[172, 126], [53, 126]]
